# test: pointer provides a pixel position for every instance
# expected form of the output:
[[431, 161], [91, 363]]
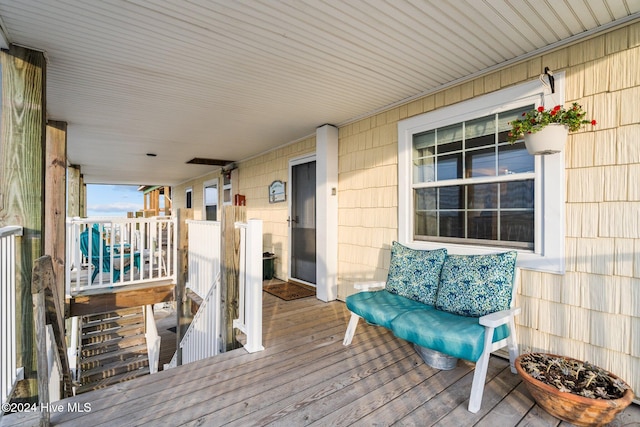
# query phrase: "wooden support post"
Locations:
[[167, 201], [83, 197], [21, 178], [55, 201], [181, 277], [230, 264], [73, 191]]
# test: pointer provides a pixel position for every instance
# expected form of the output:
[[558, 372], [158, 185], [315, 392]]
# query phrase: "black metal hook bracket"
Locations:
[[549, 74]]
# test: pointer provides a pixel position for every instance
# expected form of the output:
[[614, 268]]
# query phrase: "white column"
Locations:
[[253, 292], [327, 212]]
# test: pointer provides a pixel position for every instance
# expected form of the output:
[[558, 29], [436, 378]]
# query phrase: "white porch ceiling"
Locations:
[[230, 79]]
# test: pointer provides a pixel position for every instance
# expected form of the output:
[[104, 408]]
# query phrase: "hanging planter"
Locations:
[[549, 140], [545, 131]]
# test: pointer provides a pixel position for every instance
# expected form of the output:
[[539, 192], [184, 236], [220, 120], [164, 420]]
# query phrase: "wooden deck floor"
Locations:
[[305, 376]]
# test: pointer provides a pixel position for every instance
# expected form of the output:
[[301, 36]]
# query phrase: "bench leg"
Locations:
[[512, 345], [351, 329], [480, 374]]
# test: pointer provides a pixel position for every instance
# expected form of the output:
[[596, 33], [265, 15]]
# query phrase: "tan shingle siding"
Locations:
[[629, 148], [606, 147], [586, 51], [630, 291], [610, 331], [615, 183], [585, 185], [619, 219]]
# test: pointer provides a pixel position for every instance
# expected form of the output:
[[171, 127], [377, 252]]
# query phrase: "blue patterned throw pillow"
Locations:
[[475, 285], [415, 273]]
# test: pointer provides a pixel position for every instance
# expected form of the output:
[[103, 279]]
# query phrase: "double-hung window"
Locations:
[[463, 186], [471, 186]]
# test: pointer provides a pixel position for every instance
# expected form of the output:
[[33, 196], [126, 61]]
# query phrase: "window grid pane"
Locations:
[[500, 212]]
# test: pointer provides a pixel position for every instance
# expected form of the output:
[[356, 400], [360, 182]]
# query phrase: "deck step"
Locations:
[[112, 314], [113, 349], [96, 348], [111, 323], [112, 356], [113, 380], [115, 368], [111, 334]]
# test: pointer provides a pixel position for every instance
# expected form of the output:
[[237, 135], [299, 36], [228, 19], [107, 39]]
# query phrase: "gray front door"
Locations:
[[302, 222]]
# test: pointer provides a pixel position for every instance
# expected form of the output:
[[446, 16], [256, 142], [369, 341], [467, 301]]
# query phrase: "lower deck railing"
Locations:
[[112, 252]]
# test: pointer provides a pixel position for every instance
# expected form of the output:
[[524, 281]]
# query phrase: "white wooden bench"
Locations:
[[457, 305]]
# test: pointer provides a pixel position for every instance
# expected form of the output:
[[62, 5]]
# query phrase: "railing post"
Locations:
[[153, 339], [72, 350], [253, 294]]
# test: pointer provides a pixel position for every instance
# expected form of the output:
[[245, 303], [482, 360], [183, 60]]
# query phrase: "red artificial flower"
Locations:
[[553, 112], [541, 108], [557, 108], [593, 123]]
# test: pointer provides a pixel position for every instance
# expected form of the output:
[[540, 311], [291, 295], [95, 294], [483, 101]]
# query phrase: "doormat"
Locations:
[[289, 291]]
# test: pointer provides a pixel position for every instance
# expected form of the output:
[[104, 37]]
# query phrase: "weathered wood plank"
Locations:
[[84, 304], [510, 410], [230, 365], [231, 373], [441, 405], [280, 400], [391, 381], [389, 413], [307, 376], [495, 390], [272, 380]]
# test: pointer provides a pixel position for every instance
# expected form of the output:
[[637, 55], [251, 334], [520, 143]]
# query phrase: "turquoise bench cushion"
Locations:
[[381, 307], [415, 273], [457, 336], [475, 285]]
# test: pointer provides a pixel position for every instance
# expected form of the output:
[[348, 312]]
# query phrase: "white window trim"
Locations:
[[548, 254]]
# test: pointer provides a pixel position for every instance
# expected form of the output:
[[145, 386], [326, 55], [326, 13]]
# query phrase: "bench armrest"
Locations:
[[366, 286], [498, 318]]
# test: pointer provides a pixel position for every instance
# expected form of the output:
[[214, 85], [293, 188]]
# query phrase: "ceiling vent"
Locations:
[[210, 162]]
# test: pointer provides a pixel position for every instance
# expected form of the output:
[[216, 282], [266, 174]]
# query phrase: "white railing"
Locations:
[[73, 351], [202, 338], [153, 339], [9, 372], [249, 319], [111, 252], [203, 255]]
